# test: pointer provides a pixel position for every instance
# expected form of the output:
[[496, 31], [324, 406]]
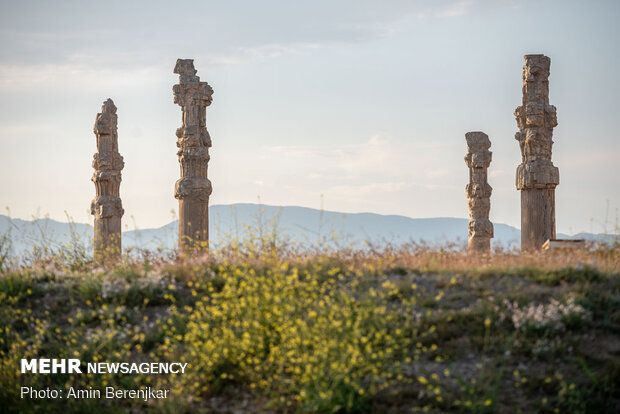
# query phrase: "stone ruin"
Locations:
[[193, 188], [536, 176], [478, 190], [107, 206]]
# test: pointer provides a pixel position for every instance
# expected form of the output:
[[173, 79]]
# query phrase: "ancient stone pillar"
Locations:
[[478, 191], [106, 206], [536, 175], [193, 188]]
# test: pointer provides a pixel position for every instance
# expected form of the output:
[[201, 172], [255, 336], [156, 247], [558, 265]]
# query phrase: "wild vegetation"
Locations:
[[269, 327]]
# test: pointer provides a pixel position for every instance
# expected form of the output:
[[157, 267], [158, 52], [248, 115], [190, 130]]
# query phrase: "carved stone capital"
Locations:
[[193, 188], [111, 161], [478, 190], [480, 228], [106, 206], [537, 174], [100, 176], [193, 155]]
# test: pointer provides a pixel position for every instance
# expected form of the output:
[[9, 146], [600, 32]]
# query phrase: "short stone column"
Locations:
[[193, 188], [536, 176], [107, 206], [478, 190]]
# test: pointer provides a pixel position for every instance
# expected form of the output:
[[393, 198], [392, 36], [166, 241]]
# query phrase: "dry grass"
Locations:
[[269, 327]]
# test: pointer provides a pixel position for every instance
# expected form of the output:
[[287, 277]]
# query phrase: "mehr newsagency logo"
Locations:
[[75, 366]]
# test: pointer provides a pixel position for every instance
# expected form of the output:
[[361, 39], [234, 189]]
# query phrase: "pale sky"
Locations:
[[364, 102]]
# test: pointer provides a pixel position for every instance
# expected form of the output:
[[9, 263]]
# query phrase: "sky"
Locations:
[[352, 106]]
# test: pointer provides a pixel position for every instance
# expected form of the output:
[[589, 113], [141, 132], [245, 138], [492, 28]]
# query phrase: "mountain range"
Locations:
[[305, 225]]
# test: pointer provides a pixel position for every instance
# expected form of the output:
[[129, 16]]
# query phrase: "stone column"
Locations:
[[478, 191], [106, 206], [536, 175], [193, 188]]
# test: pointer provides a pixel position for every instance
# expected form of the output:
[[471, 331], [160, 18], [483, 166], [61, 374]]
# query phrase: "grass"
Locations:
[[267, 327]]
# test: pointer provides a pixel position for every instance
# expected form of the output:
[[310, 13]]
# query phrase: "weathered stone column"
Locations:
[[536, 175], [478, 190], [193, 188], [106, 206]]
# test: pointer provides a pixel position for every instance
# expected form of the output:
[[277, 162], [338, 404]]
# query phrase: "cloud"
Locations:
[[8, 131], [374, 166], [437, 173], [459, 8], [79, 71], [495, 173], [142, 32], [375, 153], [258, 53], [588, 158]]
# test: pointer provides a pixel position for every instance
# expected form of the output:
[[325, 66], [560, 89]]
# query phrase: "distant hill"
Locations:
[[305, 225]]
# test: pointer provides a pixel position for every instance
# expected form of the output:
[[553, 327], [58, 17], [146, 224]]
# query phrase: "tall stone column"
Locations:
[[536, 175], [193, 188], [478, 190], [107, 206]]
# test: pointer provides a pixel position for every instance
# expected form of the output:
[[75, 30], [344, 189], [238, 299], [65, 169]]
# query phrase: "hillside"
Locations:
[[266, 331]]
